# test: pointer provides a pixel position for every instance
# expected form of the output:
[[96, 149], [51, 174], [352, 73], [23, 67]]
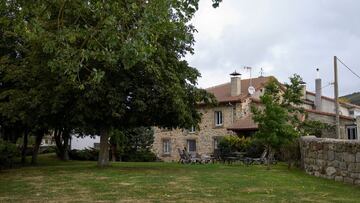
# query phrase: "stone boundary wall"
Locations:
[[331, 158]]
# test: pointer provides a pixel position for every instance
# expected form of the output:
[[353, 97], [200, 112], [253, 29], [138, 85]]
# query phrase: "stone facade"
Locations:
[[236, 114], [204, 136], [331, 158]]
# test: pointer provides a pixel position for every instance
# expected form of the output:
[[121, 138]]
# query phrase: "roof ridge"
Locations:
[[215, 86], [333, 99]]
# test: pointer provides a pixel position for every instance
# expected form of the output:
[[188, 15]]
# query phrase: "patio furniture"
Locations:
[[215, 156], [183, 158], [186, 157], [261, 159], [205, 159]]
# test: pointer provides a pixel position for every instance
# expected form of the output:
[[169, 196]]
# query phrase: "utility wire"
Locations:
[[348, 68], [330, 83]]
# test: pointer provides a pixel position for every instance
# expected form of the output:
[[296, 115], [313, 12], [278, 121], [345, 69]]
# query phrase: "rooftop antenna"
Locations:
[[251, 89], [261, 72], [250, 69]]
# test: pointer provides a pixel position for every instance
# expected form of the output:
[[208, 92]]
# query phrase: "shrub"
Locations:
[[139, 156], [235, 143], [291, 153], [47, 150], [8, 152], [90, 154]]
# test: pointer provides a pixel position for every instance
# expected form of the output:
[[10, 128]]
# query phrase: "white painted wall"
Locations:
[[82, 143]]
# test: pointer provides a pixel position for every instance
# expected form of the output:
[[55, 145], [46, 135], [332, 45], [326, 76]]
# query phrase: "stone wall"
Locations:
[[204, 135], [331, 158]]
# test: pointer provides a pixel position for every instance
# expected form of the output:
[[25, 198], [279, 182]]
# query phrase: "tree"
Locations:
[[278, 118], [131, 141], [124, 59]]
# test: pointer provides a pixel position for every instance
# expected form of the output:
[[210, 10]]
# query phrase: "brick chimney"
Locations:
[[318, 103], [235, 88]]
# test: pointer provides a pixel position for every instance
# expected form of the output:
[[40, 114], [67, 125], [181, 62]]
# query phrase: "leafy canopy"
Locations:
[[278, 117]]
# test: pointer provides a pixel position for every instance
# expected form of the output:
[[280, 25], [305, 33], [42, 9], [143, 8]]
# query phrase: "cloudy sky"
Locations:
[[281, 36]]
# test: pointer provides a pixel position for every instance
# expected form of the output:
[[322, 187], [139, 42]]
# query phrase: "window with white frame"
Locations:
[[218, 118], [166, 146], [351, 132], [191, 145], [192, 129]]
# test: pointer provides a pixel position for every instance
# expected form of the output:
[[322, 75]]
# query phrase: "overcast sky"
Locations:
[[281, 36]]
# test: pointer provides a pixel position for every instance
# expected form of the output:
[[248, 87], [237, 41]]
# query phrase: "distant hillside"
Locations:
[[353, 98]]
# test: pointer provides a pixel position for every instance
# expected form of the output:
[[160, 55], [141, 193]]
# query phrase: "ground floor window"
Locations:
[[351, 132], [191, 145], [166, 146], [216, 142]]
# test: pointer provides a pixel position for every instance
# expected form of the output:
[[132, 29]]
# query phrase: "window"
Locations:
[[192, 129], [218, 118], [216, 142], [191, 145], [351, 132], [166, 146]]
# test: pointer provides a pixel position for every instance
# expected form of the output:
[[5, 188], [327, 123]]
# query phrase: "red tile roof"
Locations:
[[222, 92], [332, 99], [246, 123]]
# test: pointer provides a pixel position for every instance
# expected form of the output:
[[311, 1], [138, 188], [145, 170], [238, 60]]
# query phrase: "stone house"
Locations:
[[232, 115]]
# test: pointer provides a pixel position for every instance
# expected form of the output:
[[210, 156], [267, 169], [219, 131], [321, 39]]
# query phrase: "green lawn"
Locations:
[[76, 181]]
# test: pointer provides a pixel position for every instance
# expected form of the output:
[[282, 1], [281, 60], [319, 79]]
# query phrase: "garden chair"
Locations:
[[260, 160], [206, 159], [183, 159], [192, 158]]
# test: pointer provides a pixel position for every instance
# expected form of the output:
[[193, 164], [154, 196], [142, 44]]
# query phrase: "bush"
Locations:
[[47, 150], [234, 143], [8, 152], [290, 153], [90, 154], [255, 149], [139, 156]]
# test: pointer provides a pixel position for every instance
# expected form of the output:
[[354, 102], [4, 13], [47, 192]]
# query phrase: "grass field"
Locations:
[[74, 181]]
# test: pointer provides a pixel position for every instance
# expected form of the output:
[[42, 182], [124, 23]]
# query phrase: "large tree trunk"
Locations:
[[57, 138], [113, 152], [104, 148], [66, 137], [62, 143], [39, 136], [24, 147]]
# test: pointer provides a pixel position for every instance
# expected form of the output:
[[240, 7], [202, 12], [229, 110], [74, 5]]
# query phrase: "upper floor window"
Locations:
[[218, 118], [351, 132], [192, 129]]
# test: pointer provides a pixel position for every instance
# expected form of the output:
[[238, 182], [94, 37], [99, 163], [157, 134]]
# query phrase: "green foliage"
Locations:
[[316, 128], [8, 152], [279, 116], [133, 144], [353, 98], [139, 156], [96, 65], [234, 143], [90, 154]]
